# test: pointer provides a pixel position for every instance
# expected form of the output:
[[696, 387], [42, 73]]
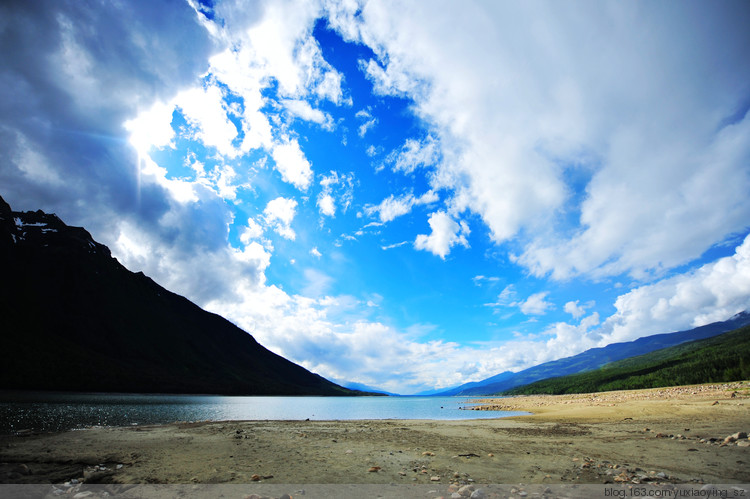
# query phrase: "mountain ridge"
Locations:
[[595, 358], [717, 359], [75, 319]]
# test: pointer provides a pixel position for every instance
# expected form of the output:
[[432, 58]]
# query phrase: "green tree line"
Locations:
[[723, 358]]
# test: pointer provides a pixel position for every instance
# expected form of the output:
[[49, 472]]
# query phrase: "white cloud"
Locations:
[[446, 233], [394, 245], [302, 109], [536, 304], [279, 214], [415, 154], [314, 252], [152, 128], [711, 293], [342, 186], [292, 164], [204, 109], [253, 231], [574, 309], [368, 121], [326, 204], [568, 131], [479, 280], [393, 207]]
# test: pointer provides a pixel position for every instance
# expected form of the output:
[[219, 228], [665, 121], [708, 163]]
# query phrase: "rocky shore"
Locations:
[[688, 435]]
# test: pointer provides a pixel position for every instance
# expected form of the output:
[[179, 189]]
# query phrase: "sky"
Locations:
[[407, 195]]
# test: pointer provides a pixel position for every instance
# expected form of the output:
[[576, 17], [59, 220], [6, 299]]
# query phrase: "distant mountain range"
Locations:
[[718, 359], [73, 318], [594, 358]]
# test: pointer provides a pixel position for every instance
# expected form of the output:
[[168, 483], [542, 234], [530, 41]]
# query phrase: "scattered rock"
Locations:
[[716, 403], [466, 490], [374, 469], [478, 494], [255, 478], [740, 435], [743, 443], [428, 453], [435, 478]]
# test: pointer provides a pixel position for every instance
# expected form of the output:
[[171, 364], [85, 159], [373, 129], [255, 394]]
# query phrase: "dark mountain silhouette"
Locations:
[[595, 358], [73, 318]]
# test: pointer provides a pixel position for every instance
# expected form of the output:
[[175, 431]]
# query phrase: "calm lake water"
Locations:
[[66, 411]]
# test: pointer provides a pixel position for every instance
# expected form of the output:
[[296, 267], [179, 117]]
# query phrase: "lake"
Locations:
[[65, 411]]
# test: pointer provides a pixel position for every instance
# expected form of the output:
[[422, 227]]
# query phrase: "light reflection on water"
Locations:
[[43, 411]]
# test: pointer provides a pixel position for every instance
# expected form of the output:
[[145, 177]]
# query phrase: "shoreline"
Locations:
[[669, 435]]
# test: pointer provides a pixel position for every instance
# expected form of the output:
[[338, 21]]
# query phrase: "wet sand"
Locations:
[[664, 435]]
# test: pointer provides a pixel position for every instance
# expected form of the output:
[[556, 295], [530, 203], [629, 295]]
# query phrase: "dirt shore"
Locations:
[[676, 435]]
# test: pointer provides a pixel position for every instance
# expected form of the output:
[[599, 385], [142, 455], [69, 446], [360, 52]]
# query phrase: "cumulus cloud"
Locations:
[[711, 293], [302, 109], [251, 232], [446, 233], [567, 131], [279, 214], [204, 108], [326, 204], [536, 304], [574, 309], [292, 164]]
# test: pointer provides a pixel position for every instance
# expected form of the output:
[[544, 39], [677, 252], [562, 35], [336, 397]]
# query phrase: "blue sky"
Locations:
[[400, 194]]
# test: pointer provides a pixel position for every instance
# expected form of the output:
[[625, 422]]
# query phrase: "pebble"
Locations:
[[435, 478], [374, 469]]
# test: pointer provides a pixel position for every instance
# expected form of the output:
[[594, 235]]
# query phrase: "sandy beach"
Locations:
[[675, 435]]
